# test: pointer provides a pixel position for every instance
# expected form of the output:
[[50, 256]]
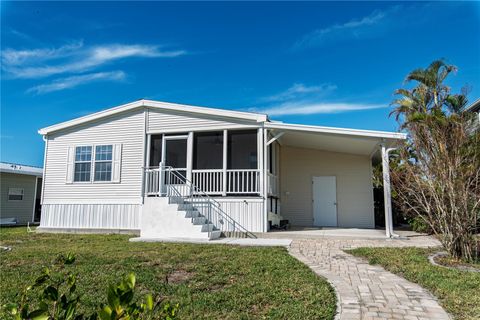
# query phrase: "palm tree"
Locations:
[[430, 98]]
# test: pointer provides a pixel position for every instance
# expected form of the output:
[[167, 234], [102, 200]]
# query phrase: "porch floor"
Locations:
[[348, 233]]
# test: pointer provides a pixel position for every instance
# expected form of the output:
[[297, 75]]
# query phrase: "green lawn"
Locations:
[[208, 281], [458, 291]]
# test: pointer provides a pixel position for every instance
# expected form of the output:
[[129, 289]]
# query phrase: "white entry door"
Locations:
[[324, 201]]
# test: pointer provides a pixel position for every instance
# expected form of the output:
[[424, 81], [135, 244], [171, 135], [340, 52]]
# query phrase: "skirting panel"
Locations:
[[248, 214], [91, 216]]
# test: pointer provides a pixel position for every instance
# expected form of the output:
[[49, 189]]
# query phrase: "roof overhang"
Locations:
[[173, 107], [351, 141], [20, 169], [474, 107]]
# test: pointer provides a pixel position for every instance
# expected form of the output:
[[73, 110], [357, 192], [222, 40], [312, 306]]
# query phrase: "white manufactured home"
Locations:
[[170, 170]]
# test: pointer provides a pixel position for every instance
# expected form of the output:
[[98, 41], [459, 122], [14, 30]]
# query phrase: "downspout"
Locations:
[[387, 193]]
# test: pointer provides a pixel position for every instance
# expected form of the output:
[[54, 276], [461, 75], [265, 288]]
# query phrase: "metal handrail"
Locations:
[[213, 204]]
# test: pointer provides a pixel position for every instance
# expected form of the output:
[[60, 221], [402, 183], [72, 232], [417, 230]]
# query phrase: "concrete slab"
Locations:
[[345, 233], [231, 241]]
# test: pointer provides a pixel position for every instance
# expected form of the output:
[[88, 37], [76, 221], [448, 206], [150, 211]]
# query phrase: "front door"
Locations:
[[324, 201]]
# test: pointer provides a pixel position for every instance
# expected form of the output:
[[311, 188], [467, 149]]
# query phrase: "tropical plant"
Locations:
[[438, 178], [54, 296]]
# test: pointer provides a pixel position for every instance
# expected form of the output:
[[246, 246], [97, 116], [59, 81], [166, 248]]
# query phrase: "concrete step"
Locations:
[[192, 214], [199, 220], [185, 206], [215, 234], [208, 227], [177, 200]]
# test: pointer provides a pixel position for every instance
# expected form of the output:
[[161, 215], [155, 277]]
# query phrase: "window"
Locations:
[[208, 150], [242, 149], [15, 194], [103, 163], [100, 163], [83, 163]]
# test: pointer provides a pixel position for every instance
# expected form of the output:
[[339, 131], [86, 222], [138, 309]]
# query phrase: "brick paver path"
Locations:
[[365, 291]]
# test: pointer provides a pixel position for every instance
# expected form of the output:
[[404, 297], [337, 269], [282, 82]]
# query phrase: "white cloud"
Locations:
[[74, 81], [13, 58], [353, 29], [299, 90], [301, 99], [306, 108], [74, 58]]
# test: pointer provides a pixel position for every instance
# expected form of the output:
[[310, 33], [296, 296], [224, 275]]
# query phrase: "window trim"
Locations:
[[16, 200], [92, 164]]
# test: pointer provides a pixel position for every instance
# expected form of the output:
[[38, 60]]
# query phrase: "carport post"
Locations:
[[387, 194]]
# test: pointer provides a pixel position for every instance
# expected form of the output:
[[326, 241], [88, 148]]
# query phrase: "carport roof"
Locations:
[[353, 141]]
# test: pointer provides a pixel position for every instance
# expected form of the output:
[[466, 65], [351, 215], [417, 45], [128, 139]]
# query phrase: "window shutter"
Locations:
[[117, 162], [70, 164]]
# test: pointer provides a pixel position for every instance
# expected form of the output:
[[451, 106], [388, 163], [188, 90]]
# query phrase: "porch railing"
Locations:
[[172, 184], [242, 181], [238, 181], [210, 181]]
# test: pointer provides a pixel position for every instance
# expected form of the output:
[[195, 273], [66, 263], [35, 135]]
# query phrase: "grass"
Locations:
[[208, 281], [458, 291]]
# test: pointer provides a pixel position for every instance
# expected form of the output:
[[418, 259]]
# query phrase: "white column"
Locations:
[[224, 167], [260, 162], [189, 155], [265, 180], [34, 199], [149, 146], [387, 199]]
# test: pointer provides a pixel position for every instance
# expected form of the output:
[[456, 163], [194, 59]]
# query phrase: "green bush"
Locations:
[[419, 225], [53, 296]]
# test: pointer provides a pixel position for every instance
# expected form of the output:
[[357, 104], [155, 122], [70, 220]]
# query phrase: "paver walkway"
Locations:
[[365, 291]]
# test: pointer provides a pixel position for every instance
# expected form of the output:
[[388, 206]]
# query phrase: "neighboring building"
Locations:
[[475, 107], [20, 188], [170, 170]]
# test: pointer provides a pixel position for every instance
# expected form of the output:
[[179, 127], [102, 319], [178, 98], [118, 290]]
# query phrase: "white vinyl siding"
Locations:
[[354, 185], [125, 132], [168, 121]]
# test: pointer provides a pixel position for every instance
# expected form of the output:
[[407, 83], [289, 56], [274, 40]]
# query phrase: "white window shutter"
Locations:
[[117, 162], [70, 164]]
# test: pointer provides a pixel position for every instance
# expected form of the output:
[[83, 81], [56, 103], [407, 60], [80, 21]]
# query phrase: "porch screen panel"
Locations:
[[155, 150], [208, 161], [242, 149], [242, 175], [208, 150]]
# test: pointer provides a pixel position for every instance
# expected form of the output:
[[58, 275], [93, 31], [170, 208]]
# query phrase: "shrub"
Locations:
[[419, 225], [54, 296]]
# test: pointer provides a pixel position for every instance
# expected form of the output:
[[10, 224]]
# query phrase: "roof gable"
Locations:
[[249, 116]]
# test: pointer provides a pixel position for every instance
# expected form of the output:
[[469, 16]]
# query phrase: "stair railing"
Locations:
[[173, 184]]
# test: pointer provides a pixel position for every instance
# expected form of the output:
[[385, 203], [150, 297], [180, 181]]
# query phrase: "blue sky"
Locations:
[[321, 63]]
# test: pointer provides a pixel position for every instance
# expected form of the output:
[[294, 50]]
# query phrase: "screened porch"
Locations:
[[219, 163]]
